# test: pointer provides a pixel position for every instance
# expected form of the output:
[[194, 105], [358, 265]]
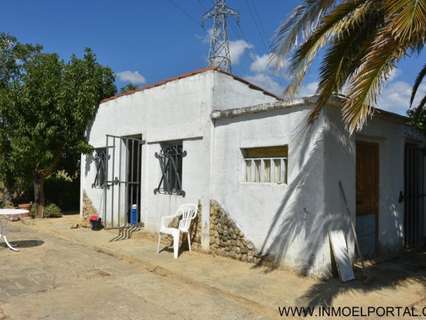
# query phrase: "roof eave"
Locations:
[[335, 101], [190, 74]]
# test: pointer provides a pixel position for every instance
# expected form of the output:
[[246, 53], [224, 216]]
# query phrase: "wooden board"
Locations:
[[341, 255], [367, 178], [367, 196], [266, 152]]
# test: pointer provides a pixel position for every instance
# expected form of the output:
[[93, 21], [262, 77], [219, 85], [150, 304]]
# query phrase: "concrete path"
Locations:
[[62, 273]]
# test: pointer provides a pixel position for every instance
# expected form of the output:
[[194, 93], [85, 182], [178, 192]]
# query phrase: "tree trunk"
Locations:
[[39, 196], [7, 197]]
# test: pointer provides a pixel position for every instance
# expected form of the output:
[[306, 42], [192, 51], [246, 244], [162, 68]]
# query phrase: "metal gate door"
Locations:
[[122, 186], [414, 196], [367, 196]]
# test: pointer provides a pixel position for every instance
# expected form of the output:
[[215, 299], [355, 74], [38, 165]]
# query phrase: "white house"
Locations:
[[209, 135]]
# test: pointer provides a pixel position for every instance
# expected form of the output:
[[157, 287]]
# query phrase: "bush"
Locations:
[[50, 211]]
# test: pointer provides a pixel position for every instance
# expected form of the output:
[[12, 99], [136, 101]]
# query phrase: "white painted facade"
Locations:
[[216, 116], [176, 110]]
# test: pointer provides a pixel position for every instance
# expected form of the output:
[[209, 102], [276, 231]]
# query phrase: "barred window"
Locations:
[[265, 164], [170, 158], [100, 158]]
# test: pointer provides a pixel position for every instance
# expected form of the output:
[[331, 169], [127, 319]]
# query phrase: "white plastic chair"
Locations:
[[188, 212]]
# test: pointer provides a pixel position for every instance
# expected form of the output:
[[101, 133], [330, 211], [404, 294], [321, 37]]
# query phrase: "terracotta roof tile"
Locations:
[[190, 74]]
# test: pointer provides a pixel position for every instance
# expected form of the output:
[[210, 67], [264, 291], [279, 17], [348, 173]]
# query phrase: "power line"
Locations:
[[241, 32], [243, 36], [203, 7], [259, 19], [185, 13], [256, 24]]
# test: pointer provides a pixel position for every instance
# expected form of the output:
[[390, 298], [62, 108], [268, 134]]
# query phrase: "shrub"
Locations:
[[52, 211]]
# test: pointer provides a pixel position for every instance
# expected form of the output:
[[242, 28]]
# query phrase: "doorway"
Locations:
[[134, 159], [414, 196], [367, 196], [122, 187]]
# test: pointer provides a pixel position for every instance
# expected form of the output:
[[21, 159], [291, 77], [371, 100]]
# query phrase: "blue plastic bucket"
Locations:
[[134, 214]]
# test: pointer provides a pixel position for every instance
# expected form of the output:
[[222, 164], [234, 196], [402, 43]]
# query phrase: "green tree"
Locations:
[[13, 56], [45, 112], [363, 41], [128, 87]]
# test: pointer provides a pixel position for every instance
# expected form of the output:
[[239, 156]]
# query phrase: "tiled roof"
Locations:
[[190, 74]]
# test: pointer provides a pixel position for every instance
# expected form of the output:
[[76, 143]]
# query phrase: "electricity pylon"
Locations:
[[219, 54]]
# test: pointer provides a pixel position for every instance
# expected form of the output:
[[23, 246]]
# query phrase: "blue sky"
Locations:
[[145, 41]]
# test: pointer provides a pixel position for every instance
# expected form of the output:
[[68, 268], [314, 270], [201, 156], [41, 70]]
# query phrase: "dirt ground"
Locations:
[[62, 273]]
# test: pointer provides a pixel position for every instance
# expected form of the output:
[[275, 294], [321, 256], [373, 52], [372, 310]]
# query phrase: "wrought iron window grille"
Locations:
[[100, 159], [170, 158]]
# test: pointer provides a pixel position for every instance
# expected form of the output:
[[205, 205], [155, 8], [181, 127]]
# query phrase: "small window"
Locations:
[[100, 159], [170, 158], [266, 164]]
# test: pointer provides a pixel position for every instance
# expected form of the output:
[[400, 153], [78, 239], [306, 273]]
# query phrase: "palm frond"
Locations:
[[421, 105], [335, 24], [367, 81], [407, 19], [417, 83], [343, 57], [299, 25], [365, 39]]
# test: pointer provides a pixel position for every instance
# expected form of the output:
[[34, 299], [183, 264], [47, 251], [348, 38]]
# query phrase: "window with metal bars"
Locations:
[[100, 159], [170, 158], [265, 164]]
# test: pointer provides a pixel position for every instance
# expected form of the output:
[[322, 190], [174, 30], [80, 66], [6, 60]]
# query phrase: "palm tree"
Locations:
[[363, 41], [419, 79], [418, 113]]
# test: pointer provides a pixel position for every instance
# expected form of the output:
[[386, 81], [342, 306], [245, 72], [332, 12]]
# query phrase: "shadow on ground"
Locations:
[[408, 268], [183, 247], [24, 243]]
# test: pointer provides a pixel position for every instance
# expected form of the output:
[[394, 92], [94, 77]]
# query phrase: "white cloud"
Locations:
[[308, 89], [237, 49], [266, 82], [266, 62], [394, 74], [395, 96], [133, 77]]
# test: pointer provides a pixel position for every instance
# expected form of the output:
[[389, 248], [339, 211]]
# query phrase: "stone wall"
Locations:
[[226, 239], [88, 208]]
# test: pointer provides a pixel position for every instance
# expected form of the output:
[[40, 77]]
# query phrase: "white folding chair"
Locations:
[[187, 212]]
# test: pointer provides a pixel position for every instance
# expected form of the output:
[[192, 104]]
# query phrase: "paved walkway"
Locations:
[[63, 273]]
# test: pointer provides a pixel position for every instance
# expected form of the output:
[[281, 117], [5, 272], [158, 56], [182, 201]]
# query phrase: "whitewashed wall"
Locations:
[[292, 221], [391, 136], [177, 110], [281, 220], [229, 93], [288, 221]]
